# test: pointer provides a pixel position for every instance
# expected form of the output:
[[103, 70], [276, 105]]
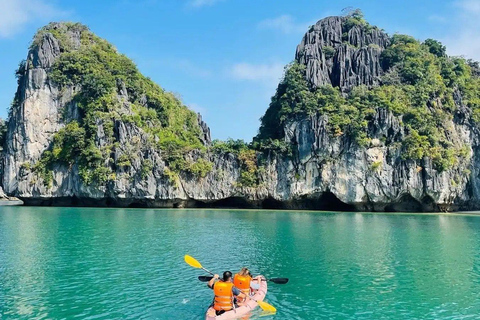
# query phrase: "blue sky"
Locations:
[[223, 57]]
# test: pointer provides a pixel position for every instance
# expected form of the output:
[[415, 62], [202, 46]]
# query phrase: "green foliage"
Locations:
[[377, 165], [419, 85], [249, 173], [147, 167], [26, 166], [328, 51], [60, 32], [474, 67], [294, 99], [43, 168], [428, 81], [171, 176], [200, 168], [401, 47], [436, 48], [97, 175], [124, 161], [108, 82], [277, 146], [293, 94], [68, 143], [355, 18], [22, 67], [416, 146], [229, 146]]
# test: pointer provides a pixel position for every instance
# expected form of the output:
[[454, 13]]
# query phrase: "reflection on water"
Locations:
[[65, 263]]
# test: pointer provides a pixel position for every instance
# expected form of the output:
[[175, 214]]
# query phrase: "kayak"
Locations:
[[258, 295]]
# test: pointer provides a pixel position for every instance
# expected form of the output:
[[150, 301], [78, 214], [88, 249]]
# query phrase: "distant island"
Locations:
[[361, 121]]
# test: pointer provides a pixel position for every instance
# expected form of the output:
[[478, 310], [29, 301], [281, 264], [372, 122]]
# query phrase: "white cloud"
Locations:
[[285, 23], [269, 74], [464, 23], [203, 3], [15, 14]]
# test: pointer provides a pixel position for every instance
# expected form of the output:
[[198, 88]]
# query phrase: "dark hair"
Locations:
[[227, 275]]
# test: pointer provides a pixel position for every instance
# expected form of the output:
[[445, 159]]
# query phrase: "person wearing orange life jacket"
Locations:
[[225, 292], [242, 281]]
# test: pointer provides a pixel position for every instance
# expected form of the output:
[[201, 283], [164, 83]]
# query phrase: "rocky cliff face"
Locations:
[[324, 170], [44, 108], [333, 171], [33, 121], [342, 57]]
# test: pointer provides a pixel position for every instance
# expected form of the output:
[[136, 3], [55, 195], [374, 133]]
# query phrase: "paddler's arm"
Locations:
[[238, 293], [212, 281]]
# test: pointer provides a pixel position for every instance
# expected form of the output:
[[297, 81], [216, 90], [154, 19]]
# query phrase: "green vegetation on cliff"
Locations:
[[420, 84], [295, 99], [108, 87], [247, 156]]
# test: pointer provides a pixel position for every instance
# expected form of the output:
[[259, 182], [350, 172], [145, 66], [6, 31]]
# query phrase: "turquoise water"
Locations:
[[76, 263]]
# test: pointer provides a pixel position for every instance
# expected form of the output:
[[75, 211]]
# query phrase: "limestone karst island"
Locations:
[[224, 159], [361, 120]]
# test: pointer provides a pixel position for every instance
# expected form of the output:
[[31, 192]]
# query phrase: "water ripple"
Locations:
[[77, 263]]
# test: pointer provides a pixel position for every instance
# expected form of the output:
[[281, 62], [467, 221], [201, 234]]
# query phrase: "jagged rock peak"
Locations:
[[68, 32], [343, 52], [73, 83], [205, 135]]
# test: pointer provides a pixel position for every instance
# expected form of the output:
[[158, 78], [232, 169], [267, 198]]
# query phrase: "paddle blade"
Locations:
[[191, 261], [279, 280], [266, 307], [205, 278]]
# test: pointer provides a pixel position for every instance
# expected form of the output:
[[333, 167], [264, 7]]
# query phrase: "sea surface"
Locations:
[[88, 263]]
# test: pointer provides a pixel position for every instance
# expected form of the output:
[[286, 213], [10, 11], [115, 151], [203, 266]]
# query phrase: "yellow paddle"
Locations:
[[266, 306], [191, 261]]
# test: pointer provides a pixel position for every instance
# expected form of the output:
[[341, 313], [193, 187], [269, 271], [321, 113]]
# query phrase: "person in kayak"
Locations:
[[225, 292], [242, 281]]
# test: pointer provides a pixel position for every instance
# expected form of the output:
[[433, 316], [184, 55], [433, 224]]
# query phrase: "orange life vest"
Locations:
[[223, 296], [242, 283]]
